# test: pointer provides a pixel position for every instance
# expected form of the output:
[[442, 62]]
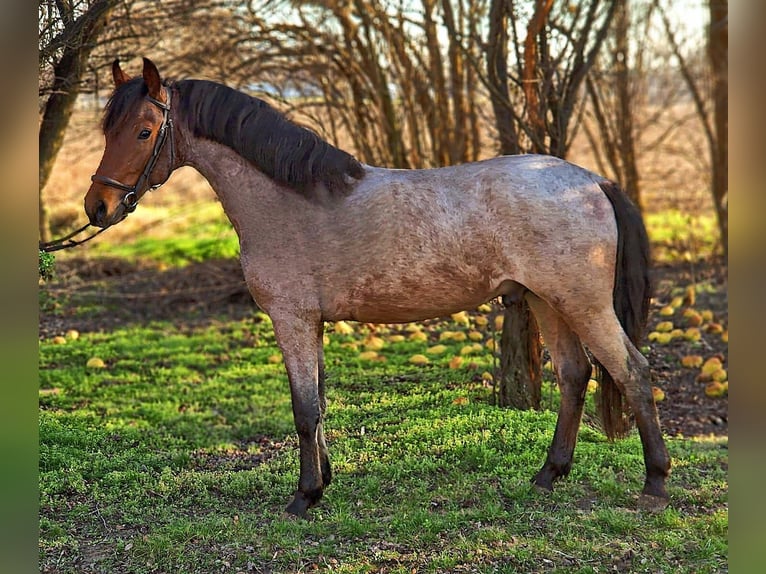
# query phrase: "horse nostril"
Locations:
[[101, 212]]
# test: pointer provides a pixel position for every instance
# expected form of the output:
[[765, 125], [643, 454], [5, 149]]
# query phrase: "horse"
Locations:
[[325, 237]]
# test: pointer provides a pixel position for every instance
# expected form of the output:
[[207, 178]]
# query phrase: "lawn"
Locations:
[[174, 451]]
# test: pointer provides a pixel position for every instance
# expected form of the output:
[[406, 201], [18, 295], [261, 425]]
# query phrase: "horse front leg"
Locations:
[[297, 337]]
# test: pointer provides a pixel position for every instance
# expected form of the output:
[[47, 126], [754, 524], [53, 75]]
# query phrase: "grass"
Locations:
[[179, 455]]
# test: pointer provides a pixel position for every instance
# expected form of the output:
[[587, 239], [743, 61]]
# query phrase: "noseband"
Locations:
[[131, 197]]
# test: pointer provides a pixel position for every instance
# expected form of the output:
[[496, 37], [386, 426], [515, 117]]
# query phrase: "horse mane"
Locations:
[[288, 153]]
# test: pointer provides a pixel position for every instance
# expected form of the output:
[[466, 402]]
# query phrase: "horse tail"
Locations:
[[631, 296]]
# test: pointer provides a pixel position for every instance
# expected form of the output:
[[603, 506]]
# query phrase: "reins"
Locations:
[[67, 241]]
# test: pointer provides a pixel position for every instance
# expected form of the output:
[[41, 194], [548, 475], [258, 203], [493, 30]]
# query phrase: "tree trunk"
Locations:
[[625, 141], [68, 73], [520, 359], [497, 77], [718, 44]]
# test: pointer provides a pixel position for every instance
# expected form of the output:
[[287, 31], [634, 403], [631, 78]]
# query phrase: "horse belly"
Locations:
[[383, 298]]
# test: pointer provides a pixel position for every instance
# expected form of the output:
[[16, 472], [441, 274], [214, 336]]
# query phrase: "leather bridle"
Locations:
[[133, 192]]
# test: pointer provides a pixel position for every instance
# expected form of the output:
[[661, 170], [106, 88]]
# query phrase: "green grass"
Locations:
[[180, 455], [676, 235]]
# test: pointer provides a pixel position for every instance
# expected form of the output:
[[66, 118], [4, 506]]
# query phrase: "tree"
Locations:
[[68, 32]]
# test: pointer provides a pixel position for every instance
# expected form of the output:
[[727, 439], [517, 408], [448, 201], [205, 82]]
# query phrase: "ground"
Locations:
[[120, 292]]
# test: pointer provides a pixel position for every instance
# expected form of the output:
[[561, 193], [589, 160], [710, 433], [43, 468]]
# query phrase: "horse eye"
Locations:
[[144, 134]]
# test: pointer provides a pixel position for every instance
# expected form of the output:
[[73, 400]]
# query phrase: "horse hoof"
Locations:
[[299, 506], [651, 503], [542, 489]]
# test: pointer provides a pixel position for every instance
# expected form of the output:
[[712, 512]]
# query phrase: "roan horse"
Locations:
[[324, 237]]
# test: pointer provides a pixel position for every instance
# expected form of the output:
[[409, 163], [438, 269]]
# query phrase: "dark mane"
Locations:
[[283, 150], [286, 152]]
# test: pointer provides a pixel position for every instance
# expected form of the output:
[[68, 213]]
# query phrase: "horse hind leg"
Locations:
[[573, 371], [629, 369]]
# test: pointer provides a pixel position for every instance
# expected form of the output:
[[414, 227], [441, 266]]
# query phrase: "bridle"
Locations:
[[131, 197]]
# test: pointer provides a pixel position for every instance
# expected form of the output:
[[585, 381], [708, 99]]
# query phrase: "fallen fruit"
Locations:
[[95, 363]]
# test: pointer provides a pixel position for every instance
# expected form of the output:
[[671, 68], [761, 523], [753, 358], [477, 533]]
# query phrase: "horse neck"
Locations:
[[246, 193]]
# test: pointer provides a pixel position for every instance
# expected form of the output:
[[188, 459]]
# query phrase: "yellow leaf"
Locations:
[[677, 302], [460, 401], [59, 340], [459, 336], [487, 376], [592, 385], [368, 355], [707, 315], [653, 336], [481, 320], [658, 394], [675, 333], [490, 344], [446, 335], [419, 360], [396, 338], [725, 336], [498, 323], [418, 336], [475, 336], [455, 362], [72, 334], [274, 359], [484, 308], [667, 310]]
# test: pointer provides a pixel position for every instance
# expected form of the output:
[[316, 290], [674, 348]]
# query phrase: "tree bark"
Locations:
[[520, 359], [718, 43]]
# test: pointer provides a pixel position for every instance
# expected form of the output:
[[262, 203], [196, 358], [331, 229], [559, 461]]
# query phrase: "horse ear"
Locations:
[[152, 79], [119, 76]]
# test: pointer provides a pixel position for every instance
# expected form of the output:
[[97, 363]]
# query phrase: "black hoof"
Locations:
[[301, 503]]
